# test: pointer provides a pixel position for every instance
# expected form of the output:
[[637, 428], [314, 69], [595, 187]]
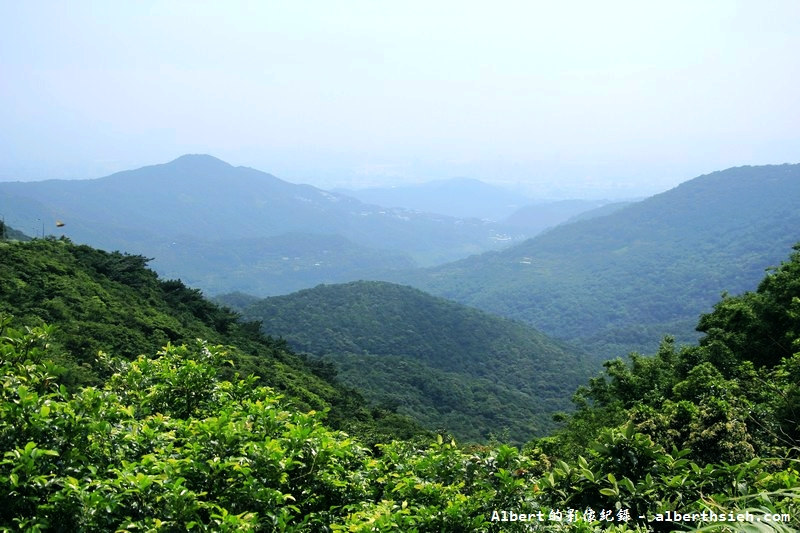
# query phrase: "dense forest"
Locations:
[[115, 417], [449, 366]]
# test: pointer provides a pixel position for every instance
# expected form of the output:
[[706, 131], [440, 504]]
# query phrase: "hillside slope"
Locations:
[[447, 365], [620, 282], [110, 302], [535, 218], [11, 234]]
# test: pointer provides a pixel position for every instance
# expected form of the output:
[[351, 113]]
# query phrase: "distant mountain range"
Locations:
[[206, 208], [456, 197], [619, 282], [447, 365], [603, 210], [471, 198], [535, 218]]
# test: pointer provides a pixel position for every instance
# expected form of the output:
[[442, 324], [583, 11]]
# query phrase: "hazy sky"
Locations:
[[564, 98]]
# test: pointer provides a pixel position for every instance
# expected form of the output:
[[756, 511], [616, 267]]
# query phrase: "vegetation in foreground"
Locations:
[[175, 441]]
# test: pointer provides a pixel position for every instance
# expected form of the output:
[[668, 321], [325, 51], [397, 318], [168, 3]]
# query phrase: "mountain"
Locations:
[[201, 200], [603, 210], [174, 440], [619, 282], [9, 233], [445, 364], [236, 301], [465, 198], [97, 301], [456, 197], [535, 218]]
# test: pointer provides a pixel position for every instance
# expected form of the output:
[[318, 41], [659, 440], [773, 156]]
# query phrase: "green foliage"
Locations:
[[761, 326], [730, 399], [727, 409], [166, 445], [628, 470], [453, 368], [110, 302], [163, 444]]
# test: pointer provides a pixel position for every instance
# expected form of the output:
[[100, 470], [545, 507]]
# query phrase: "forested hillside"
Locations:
[[9, 233], [617, 283], [537, 217], [699, 438], [111, 302], [451, 367]]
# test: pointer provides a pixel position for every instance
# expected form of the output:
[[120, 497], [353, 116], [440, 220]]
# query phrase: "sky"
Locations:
[[556, 99]]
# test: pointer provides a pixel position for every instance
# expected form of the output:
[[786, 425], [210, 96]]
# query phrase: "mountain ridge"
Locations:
[[646, 270], [144, 210], [457, 197]]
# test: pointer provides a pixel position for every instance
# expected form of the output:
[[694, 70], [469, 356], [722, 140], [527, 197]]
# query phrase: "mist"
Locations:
[[577, 99]]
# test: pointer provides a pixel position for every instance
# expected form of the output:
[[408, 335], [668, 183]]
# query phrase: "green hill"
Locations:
[[11, 234], [619, 282], [100, 301], [447, 365]]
